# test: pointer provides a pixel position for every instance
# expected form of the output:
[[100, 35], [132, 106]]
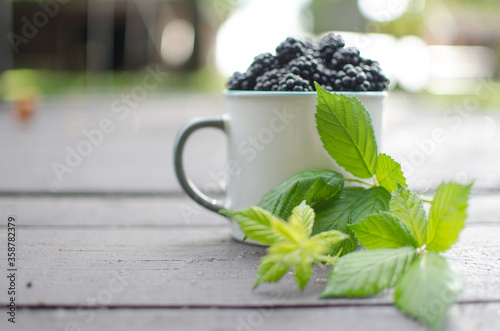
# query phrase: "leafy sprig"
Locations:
[[310, 186], [422, 276], [346, 130], [403, 244], [292, 242]]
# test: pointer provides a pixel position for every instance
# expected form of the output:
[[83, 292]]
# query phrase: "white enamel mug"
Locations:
[[271, 137]]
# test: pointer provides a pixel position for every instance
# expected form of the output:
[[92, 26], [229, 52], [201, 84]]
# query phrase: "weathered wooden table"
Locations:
[[113, 243]]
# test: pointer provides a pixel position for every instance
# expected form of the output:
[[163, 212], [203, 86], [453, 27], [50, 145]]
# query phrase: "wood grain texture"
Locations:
[[463, 317], [196, 266], [150, 210], [119, 247], [108, 210], [137, 155]]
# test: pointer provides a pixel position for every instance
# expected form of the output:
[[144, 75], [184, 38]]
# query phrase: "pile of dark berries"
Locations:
[[299, 63]]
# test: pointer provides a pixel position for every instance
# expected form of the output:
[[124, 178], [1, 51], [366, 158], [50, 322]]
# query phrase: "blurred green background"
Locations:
[[53, 48]]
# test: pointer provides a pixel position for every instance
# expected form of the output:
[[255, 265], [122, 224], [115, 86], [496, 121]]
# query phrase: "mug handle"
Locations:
[[192, 191]]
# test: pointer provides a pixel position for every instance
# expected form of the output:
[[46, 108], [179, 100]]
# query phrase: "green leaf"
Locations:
[[383, 230], [365, 273], [372, 201], [346, 130], [335, 214], [303, 273], [331, 237], [310, 185], [447, 215], [352, 205], [306, 215], [270, 271], [291, 230], [349, 207], [283, 252], [295, 248], [427, 289], [255, 222], [409, 208], [389, 173]]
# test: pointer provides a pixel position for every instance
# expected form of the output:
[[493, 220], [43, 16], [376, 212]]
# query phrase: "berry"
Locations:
[[343, 56], [270, 80], [347, 79], [263, 63], [310, 68], [327, 46], [324, 77], [290, 49], [374, 75], [360, 78], [299, 63], [292, 82], [239, 81], [246, 81], [305, 66]]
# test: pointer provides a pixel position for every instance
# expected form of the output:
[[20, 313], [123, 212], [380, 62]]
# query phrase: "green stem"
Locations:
[[358, 181], [422, 250], [327, 259], [428, 201]]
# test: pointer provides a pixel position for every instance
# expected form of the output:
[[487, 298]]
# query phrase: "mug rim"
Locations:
[[290, 93]]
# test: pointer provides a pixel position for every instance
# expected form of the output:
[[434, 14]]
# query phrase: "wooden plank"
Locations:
[[464, 317], [447, 143], [137, 155], [194, 266], [105, 211], [167, 210], [484, 208]]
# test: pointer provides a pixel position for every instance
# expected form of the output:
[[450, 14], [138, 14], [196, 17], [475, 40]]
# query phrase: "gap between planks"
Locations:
[[482, 317], [43, 306]]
